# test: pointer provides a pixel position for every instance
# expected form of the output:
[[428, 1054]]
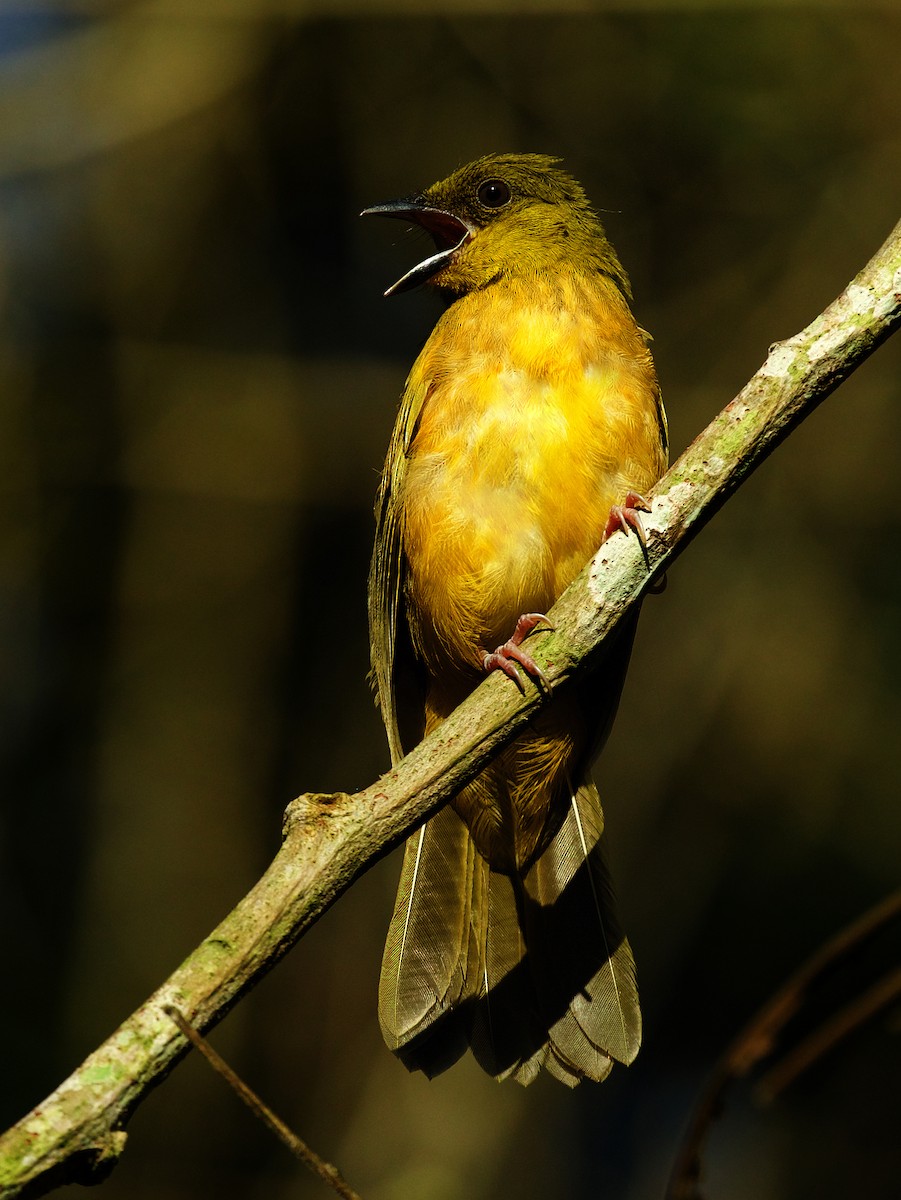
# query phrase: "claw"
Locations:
[[627, 517], [658, 586], [505, 657]]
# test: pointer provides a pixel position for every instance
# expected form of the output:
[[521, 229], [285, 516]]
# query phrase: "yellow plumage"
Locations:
[[531, 411]]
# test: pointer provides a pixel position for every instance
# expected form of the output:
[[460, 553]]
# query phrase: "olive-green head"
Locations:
[[503, 215]]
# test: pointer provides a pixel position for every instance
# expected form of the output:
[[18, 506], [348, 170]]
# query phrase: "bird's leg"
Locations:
[[627, 516], [505, 657]]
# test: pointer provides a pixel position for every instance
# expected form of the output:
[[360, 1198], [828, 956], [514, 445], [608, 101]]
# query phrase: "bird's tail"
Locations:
[[527, 971]]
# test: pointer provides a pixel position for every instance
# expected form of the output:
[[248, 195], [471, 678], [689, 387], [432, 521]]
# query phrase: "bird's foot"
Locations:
[[506, 657], [627, 517]]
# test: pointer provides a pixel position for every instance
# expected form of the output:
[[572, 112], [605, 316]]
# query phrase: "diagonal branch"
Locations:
[[78, 1132]]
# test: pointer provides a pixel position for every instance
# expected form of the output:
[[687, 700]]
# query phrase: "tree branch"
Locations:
[[758, 1039], [77, 1133]]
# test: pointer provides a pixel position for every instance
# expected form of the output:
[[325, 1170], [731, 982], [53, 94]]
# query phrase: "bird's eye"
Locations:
[[494, 193]]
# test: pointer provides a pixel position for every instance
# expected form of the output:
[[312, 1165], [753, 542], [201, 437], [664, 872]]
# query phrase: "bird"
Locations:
[[530, 428]]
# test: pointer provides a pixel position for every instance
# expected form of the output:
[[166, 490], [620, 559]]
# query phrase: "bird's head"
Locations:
[[504, 214]]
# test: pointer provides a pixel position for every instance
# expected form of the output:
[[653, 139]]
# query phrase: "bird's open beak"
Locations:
[[449, 232]]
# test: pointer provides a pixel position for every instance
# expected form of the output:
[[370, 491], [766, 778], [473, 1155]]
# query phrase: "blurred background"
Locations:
[[198, 376]]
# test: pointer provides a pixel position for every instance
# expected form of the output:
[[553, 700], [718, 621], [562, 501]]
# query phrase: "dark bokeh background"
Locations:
[[197, 380]]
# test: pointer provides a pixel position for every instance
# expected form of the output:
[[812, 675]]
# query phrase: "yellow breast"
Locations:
[[542, 411]]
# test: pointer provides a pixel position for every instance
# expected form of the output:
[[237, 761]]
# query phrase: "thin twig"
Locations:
[[758, 1038], [825, 1038], [298, 1147]]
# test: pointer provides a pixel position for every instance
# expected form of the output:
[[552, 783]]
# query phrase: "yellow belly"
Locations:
[[541, 414]]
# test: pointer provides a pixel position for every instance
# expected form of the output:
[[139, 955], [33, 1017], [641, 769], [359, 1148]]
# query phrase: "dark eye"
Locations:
[[493, 193]]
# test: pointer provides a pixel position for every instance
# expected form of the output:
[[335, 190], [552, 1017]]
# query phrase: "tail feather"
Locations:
[[425, 967], [587, 973], [527, 973], [504, 1023]]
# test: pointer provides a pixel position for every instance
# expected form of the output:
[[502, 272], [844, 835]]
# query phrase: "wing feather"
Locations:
[[393, 672]]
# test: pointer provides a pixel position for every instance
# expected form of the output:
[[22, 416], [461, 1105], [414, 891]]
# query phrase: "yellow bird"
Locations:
[[529, 426]]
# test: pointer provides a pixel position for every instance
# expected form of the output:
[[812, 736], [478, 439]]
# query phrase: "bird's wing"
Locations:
[[394, 673], [663, 428]]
